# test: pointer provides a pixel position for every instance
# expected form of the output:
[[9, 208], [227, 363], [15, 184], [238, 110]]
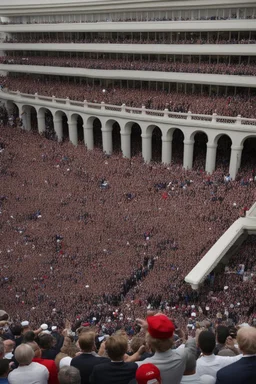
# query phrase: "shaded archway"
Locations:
[[61, 125], [156, 144], [33, 119], [97, 134], [199, 155], [223, 152], [136, 143], [116, 137], [65, 127], [80, 129], [248, 159], [45, 123], [177, 146], [29, 118], [13, 114], [77, 124], [49, 126], [114, 126]]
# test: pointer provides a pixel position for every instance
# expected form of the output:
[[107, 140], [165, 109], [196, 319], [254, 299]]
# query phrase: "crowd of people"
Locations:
[[137, 65], [239, 104], [108, 266], [125, 39], [134, 19], [102, 251], [159, 353]]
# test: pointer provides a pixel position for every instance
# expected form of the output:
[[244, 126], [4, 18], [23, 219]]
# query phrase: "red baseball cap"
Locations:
[[85, 324], [148, 374], [160, 327]]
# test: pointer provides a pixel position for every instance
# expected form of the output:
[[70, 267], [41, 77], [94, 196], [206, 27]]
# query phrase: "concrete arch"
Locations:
[[58, 114], [90, 120], [29, 117], [60, 121], [150, 128], [248, 148], [12, 107], [109, 124], [200, 139], [177, 137], [46, 123], [156, 142], [76, 121], [128, 127], [194, 133], [14, 112], [223, 143], [217, 137], [111, 136], [92, 131], [42, 110], [169, 133], [74, 117], [251, 136]]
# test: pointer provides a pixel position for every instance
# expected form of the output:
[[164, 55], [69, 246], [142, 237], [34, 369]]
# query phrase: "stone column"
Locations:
[[235, 160], [88, 137], [41, 123], [72, 132], [210, 157], [107, 140], [126, 144], [26, 120], [166, 150], [188, 154], [146, 147], [58, 128]]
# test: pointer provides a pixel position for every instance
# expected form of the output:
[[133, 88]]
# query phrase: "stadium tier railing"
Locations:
[[214, 118]]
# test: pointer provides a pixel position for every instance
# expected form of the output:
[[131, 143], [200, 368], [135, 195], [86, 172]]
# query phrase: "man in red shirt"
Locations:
[[49, 364]]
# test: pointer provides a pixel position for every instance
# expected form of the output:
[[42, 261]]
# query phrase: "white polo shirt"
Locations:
[[34, 373], [210, 365]]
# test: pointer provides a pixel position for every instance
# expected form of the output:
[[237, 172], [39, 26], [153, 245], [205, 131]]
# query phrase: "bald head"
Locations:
[[24, 354], [9, 345], [246, 339]]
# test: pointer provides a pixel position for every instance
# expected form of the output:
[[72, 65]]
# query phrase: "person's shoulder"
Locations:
[[38, 366], [145, 361], [229, 370]]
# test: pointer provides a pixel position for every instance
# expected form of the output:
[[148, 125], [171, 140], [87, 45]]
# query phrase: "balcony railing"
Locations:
[[166, 114]]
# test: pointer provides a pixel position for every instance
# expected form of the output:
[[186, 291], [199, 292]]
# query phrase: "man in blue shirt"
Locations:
[[4, 370]]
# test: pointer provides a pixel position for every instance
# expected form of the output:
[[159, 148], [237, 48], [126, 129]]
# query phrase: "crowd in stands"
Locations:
[[134, 19], [124, 40], [138, 65], [88, 238], [240, 104], [71, 188]]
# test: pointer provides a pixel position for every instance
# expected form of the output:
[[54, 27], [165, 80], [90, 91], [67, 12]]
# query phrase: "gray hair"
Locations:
[[69, 375], [24, 354], [190, 363]]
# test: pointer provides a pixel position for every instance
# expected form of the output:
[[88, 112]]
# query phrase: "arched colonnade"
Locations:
[[125, 125]]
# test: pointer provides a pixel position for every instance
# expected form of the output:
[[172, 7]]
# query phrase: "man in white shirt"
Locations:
[[27, 372], [191, 377], [208, 363]]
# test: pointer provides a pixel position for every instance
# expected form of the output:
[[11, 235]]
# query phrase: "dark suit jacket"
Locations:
[[241, 372], [85, 363], [113, 373]]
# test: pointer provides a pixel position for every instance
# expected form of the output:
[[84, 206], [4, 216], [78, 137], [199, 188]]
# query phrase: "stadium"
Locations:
[[128, 164]]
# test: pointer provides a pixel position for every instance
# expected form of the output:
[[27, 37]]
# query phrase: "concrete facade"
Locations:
[[240, 228], [237, 129]]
